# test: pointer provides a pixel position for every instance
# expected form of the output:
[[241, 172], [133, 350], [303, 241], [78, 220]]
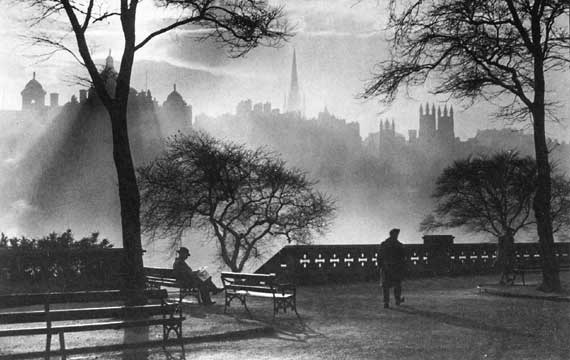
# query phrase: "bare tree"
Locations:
[[494, 195], [485, 49], [240, 24], [247, 199], [485, 194]]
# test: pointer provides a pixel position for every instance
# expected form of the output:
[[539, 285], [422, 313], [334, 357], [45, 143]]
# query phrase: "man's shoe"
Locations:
[[399, 301]]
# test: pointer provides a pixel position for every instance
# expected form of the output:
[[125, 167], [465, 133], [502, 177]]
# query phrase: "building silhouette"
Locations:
[[33, 95], [436, 132], [175, 114], [428, 133]]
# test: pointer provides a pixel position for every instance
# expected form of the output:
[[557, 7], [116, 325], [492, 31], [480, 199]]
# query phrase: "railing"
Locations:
[[72, 269], [308, 264]]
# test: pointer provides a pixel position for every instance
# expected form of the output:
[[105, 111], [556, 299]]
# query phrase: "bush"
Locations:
[[55, 241], [57, 260]]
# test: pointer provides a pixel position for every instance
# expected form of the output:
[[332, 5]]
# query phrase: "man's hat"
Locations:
[[394, 231], [183, 250]]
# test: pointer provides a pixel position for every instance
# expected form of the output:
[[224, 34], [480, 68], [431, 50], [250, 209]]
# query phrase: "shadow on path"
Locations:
[[294, 330], [460, 321], [288, 326]]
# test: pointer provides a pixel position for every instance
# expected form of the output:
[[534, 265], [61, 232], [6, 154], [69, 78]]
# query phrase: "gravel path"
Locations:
[[442, 318]]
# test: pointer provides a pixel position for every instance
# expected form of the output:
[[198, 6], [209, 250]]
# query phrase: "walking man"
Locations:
[[393, 264]]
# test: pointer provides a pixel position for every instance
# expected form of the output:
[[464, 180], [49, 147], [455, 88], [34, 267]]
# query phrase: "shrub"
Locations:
[[56, 260]]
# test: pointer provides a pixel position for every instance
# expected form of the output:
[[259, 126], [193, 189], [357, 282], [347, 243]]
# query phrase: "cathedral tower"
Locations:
[[445, 125], [294, 101], [427, 124]]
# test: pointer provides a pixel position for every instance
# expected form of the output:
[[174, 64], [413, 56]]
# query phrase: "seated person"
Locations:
[[192, 279]]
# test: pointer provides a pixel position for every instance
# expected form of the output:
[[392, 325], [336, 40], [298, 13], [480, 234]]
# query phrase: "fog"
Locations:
[[59, 172]]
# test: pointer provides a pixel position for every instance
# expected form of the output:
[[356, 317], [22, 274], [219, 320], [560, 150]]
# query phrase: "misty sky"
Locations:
[[337, 43]]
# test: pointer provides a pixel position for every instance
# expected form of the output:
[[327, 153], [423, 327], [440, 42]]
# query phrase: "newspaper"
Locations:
[[203, 273]]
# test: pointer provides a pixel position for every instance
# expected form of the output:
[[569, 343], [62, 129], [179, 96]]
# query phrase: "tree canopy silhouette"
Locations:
[[246, 199], [489, 49], [240, 25], [494, 194]]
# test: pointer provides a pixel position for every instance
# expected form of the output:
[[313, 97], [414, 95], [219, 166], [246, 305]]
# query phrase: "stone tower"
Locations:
[[427, 124], [445, 125]]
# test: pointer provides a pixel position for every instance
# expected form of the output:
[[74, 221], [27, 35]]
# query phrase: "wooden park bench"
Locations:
[[521, 269], [88, 313], [241, 285], [157, 278]]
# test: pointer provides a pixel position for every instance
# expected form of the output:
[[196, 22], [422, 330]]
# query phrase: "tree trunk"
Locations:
[[550, 271], [541, 205], [129, 198], [506, 258]]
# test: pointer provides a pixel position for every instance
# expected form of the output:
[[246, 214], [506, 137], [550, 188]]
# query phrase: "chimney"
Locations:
[[54, 99], [82, 96]]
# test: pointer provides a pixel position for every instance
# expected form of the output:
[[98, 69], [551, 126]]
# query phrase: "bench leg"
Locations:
[[48, 345], [294, 306], [285, 304], [168, 327], [241, 298], [187, 292], [62, 345], [181, 339], [177, 328], [245, 305], [198, 296]]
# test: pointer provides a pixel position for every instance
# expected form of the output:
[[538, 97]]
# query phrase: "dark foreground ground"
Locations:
[[442, 318]]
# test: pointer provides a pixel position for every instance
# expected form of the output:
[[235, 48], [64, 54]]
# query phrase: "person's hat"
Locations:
[[394, 231], [183, 250]]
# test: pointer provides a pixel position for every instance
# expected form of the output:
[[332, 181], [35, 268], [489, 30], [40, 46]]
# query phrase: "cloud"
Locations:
[[332, 33], [22, 206], [340, 17]]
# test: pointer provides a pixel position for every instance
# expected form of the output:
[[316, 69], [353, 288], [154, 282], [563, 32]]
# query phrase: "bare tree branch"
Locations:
[[246, 197]]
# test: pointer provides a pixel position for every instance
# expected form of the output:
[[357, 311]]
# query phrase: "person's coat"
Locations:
[[392, 261]]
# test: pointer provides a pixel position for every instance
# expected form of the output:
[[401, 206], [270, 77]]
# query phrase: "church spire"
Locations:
[[109, 62], [294, 102]]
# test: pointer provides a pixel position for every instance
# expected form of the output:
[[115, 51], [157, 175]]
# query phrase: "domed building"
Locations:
[[109, 75], [33, 95], [176, 114]]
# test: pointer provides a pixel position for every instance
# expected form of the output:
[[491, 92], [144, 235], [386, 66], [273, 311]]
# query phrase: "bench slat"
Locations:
[[159, 272], [90, 327], [250, 288], [77, 296], [264, 294], [247, 276], [165, 282], [85, 313]]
